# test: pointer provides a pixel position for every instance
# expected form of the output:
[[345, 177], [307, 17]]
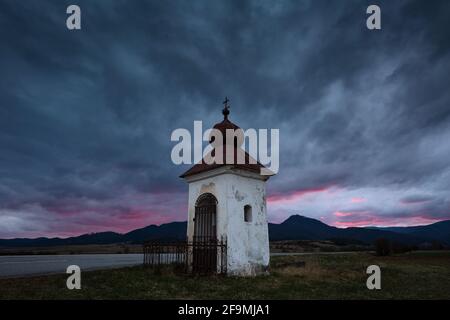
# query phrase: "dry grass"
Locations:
[[312, 270], [338, 276]]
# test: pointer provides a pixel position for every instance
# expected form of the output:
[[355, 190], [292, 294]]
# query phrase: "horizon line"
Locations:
[[159, 225]]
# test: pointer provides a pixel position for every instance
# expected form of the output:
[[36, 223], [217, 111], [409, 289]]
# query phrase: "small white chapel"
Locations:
[[227, 202]]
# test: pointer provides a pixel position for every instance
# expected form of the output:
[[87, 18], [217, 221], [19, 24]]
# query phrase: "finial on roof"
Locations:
[[226, 108]]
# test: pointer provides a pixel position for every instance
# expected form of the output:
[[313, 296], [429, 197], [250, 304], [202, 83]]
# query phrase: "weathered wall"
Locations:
[[248, 242], [212, 185]]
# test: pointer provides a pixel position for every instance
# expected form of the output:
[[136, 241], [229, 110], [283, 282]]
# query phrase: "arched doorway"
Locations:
[[205, 234]]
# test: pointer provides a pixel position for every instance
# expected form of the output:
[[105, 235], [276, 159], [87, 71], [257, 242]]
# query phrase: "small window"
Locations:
[[247, 213]]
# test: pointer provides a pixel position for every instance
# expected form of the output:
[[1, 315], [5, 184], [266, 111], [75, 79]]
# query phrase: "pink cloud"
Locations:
[[365, 218], [342, 214], [73, 216], [295, 195], [358, 200]]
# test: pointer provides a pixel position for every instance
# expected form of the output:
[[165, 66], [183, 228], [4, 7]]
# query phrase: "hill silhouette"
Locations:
[[296, 227]]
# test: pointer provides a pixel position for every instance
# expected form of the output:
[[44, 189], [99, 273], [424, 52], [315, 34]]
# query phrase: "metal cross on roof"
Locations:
[[226, 108]]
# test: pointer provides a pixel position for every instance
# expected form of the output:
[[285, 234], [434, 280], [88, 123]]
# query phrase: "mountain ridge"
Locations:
[[295, 227]]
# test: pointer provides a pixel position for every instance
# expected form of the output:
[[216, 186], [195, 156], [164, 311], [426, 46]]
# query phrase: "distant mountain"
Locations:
[[298, 227], [439, 231], [168, 231], [91, 238], [370, 235], [295, 227]]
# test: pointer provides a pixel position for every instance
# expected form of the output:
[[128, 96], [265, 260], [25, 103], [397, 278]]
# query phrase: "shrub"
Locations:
[[397, 247], [383, 247], [436, 245]]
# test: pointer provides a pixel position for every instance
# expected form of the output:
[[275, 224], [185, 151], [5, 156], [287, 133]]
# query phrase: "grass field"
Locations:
[[417, 275], [275, 246]]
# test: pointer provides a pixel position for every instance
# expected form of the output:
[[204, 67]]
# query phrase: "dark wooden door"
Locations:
[[205, 235]]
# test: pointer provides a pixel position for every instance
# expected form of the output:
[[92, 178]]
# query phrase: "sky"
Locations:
[[86, 115]]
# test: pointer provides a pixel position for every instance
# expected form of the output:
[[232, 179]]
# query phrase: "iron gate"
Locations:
[[204, 254], [204, 245], [181, 255]]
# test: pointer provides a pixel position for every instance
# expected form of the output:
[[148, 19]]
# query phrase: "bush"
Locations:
[[383, 247], [436, 245], [401, 248]]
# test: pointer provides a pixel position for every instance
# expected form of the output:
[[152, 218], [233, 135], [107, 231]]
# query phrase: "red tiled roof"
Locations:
[[224, 125], [202, 166]]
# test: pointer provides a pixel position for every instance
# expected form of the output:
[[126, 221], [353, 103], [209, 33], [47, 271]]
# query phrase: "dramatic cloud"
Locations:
[[86, 116]]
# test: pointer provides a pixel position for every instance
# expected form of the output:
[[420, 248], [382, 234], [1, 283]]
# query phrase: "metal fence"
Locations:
[[200, 256]]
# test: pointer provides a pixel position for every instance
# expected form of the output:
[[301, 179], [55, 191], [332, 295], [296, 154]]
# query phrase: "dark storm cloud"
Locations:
[[86, 116], [416, 199]]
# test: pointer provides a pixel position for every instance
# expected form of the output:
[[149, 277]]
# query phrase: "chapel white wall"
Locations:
[[248, 242]]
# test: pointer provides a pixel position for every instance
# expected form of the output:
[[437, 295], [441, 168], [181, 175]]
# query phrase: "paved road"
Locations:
[[20, 266], [15, 266]]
